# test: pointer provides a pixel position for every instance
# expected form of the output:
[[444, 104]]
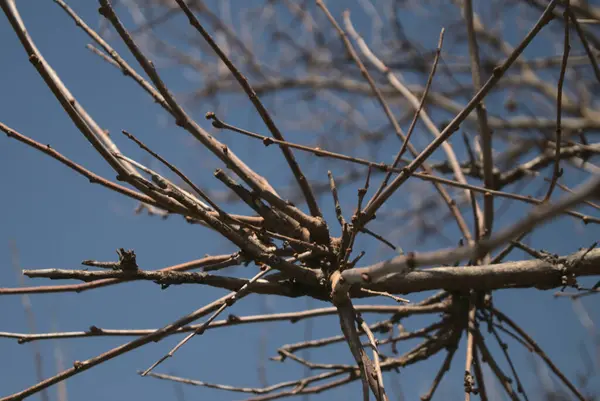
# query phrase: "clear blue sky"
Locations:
[[57, 219]]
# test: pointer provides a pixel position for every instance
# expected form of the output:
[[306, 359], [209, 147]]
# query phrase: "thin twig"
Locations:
[[81, 366], [452, 127], [231, 299], [484, 128], [419, 112], [376, 357], [585, 43], [445, 367], [38, 361], [384, 167], [262, 111], [491, 361], [557, 172], [208, 263], [536, 348], [336, 200]]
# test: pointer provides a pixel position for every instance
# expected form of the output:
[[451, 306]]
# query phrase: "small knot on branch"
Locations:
[[34, 59], [233, 319], [215, 121], [104, 11], [127, 261]]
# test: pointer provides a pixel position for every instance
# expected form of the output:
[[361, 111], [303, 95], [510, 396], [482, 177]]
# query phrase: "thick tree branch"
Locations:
[[540, 274]]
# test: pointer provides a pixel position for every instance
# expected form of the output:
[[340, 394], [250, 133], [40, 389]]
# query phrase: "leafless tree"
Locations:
[[381, 107]]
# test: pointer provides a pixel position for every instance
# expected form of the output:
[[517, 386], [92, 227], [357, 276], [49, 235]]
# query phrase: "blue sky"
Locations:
[[57, 219]]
